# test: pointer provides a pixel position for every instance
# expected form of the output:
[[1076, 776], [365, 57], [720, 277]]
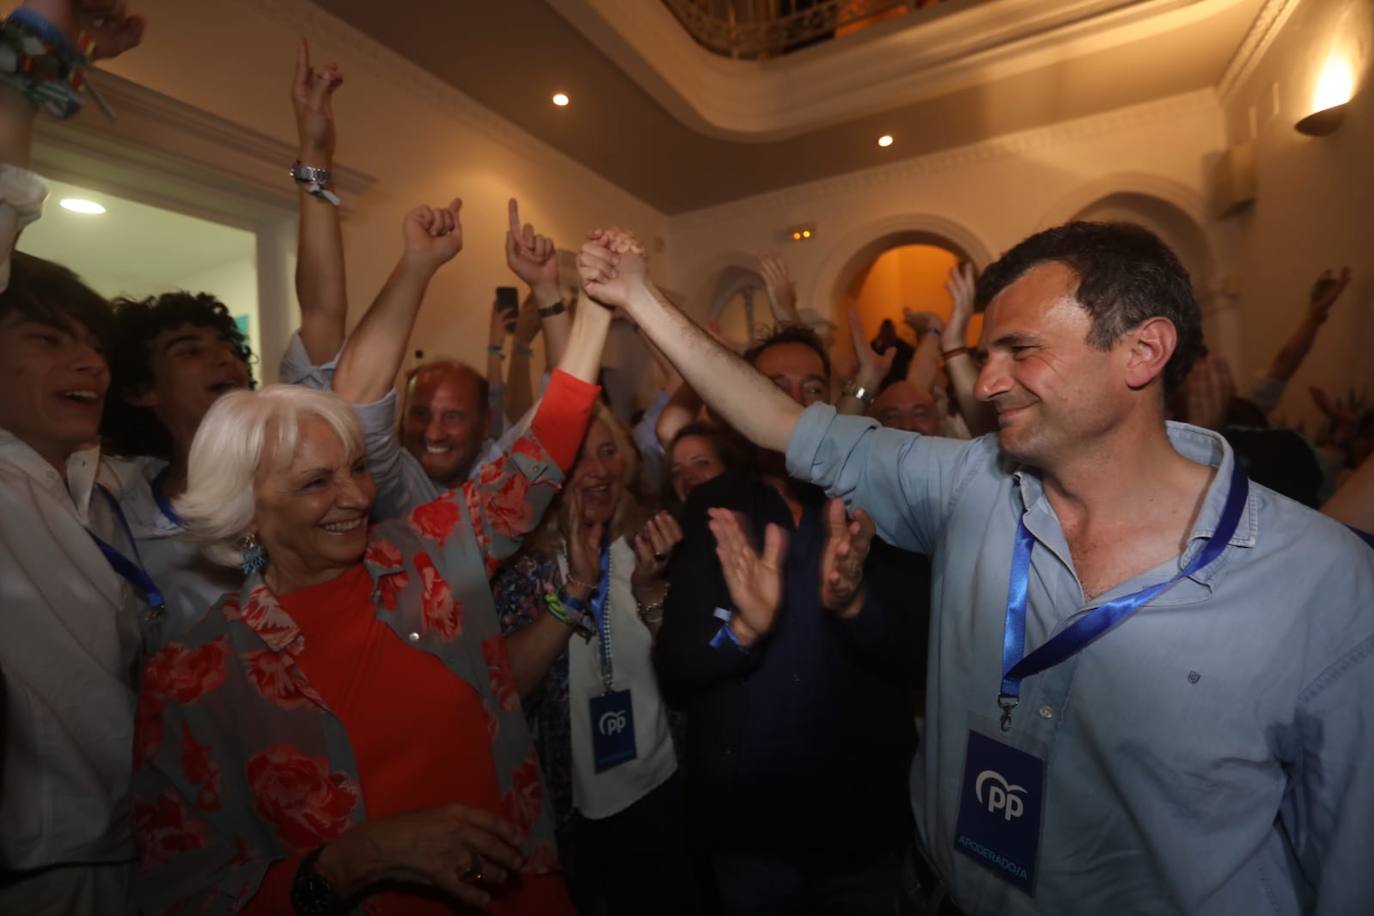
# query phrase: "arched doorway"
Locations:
[[896, 270]]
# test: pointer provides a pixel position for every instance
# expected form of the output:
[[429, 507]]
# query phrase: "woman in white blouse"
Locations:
[[579, 611]]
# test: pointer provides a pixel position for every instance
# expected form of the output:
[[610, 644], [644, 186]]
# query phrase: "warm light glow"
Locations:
[[796, 236], [1335, 84], [560, 99], [81, 205], [885, 140], [806, 233]]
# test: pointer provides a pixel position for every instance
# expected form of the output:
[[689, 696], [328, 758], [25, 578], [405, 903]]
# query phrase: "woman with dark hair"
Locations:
[[699, 452], [580, 610]]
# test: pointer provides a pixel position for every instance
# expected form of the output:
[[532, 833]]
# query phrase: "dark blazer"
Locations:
[[815, 717]]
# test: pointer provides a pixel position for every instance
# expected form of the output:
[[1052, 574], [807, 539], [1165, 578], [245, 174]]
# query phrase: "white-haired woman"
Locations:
[[346, 730], [597, 568]]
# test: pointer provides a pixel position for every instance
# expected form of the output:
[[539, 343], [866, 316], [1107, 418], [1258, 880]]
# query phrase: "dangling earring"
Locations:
[[253, 555]]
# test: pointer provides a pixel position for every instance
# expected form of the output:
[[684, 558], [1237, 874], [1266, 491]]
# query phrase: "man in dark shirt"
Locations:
[[800, 736]]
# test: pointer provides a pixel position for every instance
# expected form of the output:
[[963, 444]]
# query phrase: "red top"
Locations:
[[419, 738]]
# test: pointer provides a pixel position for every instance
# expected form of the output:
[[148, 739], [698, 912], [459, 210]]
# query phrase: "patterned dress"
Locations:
[[238, 761]]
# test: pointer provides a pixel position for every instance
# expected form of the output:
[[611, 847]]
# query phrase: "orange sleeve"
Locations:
[[561, 420]]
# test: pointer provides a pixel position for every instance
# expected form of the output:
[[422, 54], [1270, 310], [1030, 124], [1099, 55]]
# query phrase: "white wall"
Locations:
[[983, 198], [423, 141], [235, 283], [1315, 201]]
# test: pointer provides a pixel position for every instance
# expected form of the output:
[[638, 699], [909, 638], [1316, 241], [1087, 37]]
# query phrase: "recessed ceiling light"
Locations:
[[560, 99], [885, 140], [82, 205]]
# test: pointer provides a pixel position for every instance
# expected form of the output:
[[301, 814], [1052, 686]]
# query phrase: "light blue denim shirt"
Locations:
[[1212, 755]]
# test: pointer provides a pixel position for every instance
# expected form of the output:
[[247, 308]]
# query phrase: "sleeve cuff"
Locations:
[[562, 417], [726, 636], [379, 417], [296, 368]]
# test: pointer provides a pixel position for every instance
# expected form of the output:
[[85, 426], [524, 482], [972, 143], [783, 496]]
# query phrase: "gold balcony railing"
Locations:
[[755, 29]]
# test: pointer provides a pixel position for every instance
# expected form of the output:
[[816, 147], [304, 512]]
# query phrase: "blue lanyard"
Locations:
[[127, 569], [162, 501], [603, 618], [1016, 665]]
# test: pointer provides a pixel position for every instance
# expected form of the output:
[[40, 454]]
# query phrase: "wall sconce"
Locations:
[[801, 233], [1335, 86]]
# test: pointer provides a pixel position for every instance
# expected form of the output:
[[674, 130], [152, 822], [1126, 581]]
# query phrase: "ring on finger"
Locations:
[[660, 556], [473, 873]]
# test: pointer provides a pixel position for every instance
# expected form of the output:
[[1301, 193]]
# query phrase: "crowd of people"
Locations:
[[1051, 622]]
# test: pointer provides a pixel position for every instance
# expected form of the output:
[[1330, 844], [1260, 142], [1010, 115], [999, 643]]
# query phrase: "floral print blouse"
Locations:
[[238, 762]]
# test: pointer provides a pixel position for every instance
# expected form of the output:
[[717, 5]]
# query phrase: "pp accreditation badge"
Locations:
[[999, 809], [613, 730]]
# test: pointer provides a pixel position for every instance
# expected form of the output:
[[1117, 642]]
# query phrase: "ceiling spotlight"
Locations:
[[885, 140], [82, 205], [560, 99]]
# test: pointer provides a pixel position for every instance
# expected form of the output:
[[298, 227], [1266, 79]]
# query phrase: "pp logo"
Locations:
[[611, 723], [1001, 796]]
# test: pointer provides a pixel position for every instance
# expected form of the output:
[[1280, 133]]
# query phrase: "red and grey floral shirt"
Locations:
[[239, 762]]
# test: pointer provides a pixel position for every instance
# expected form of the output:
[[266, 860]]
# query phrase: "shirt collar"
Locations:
[[83, 468], [1196, 444]]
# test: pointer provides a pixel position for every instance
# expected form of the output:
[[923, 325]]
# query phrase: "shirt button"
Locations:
[[1047, 711], [414, 637]]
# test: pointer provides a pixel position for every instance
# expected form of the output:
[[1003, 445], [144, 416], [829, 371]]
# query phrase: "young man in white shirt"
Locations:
[[69, 634]]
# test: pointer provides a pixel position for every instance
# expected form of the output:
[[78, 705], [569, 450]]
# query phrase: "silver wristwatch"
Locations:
[[318, 182]]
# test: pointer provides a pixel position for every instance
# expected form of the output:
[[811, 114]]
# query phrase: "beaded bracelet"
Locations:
[[561, 608], [40, 63]]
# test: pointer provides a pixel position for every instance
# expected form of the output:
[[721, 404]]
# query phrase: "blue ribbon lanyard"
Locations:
[[163, 503], [127, 569], [603, 618], [1016, 665]]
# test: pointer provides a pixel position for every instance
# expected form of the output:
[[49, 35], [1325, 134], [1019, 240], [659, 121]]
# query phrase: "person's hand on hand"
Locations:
[[754, 580], [872, 367], [612, 266], [312, 93], [462, 851], [530, 256], [433, 235], [653, 547], [961, 285], [1325, 291], [847, 542]]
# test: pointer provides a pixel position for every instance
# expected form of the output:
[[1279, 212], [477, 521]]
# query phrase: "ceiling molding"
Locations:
[[921, 55], [1020, 144], [1261, 34], [303, 17], [128, 97]]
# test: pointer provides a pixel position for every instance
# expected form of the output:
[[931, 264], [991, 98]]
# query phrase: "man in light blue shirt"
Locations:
[[1205, 750]]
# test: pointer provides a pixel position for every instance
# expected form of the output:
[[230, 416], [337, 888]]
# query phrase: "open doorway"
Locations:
[[121, 247]]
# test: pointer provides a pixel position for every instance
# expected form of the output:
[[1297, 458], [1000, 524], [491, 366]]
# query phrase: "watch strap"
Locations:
[[311, 892]]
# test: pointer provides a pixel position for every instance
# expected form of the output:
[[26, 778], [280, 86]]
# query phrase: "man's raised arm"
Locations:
[[613, 272], [373, 354]]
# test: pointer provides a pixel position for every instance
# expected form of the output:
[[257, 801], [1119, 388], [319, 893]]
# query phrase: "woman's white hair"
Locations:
[[238, 432]]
